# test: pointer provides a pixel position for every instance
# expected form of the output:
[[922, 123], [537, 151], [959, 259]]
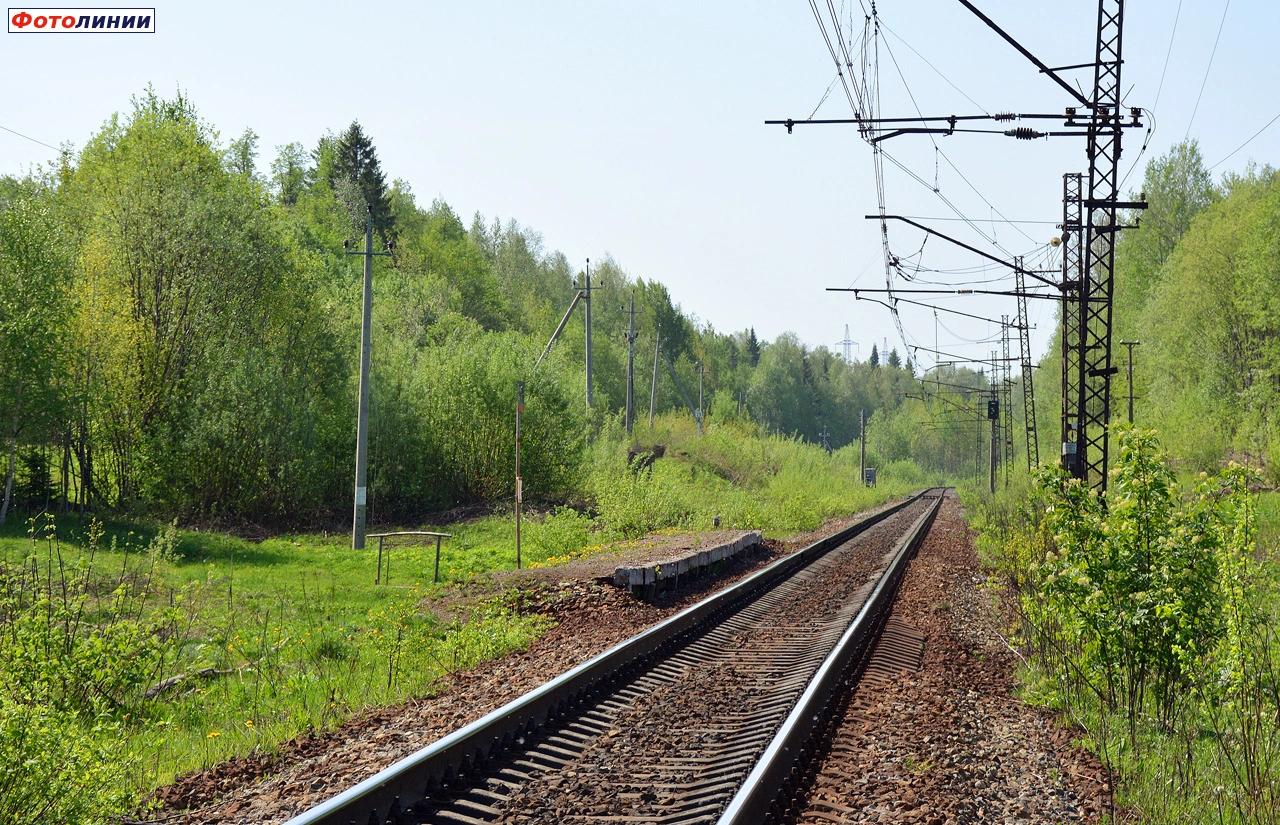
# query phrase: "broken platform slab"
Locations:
[[647, 577]]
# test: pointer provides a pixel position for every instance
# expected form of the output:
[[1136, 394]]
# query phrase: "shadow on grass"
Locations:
[[192, 547]]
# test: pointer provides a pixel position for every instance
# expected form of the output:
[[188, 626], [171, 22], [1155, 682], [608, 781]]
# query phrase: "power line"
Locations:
[[885, 26], [28, 137], [1176, 16], [938, 151], [825, 95], [1203, 82], [1246, 143]]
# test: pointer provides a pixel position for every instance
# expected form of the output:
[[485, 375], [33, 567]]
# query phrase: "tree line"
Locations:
[[1196, 286], [179, 326]]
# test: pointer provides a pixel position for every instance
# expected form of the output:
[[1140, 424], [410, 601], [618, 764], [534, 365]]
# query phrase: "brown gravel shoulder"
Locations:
[[589, 618], [951, 743]]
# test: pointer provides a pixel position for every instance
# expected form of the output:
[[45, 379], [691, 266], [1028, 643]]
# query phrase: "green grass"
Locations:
[[299, 632], [297, 636]]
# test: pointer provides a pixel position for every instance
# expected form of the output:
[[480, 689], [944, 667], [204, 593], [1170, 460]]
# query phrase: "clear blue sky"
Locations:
[[635, 129]]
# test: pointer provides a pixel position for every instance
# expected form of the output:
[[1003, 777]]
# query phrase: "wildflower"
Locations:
[[248, 723], [213, 734]]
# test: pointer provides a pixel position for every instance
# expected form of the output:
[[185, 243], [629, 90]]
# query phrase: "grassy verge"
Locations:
[[158, 650], [1154, 627]]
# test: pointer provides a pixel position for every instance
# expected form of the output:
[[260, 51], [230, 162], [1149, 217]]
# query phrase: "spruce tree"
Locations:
[[753, 346], [874, 360], [356, 161]]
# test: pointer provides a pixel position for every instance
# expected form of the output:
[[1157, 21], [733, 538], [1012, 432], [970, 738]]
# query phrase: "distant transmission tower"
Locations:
[[848, 344]]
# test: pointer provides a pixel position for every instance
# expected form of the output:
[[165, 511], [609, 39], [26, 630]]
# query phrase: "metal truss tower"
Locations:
[[1028, 386], [1006, 397], [1098, 273], [1072, 322]]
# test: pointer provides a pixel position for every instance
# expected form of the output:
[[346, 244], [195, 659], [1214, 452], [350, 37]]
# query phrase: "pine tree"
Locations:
[[356, 162], [894, 360], [874, 360]]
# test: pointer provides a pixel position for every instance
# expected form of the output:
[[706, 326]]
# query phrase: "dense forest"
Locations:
[[179, 326]]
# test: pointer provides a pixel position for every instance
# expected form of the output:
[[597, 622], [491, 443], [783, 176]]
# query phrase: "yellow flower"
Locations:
[[213, 734], [248, 723]]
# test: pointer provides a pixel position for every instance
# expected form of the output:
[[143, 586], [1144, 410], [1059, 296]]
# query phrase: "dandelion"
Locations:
[[213, 734], [248, 723]]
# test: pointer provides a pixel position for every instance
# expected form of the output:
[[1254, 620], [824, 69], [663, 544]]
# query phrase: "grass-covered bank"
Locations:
[[242, 645], [1153, 625]]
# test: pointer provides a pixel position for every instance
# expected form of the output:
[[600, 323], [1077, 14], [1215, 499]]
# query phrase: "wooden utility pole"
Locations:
[[701, 369], [653, 385]]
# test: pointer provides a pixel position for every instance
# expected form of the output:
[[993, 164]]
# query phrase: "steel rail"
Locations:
[[398, 787], [765, 786]]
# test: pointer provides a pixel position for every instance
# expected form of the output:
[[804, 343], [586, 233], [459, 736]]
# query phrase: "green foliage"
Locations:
[[35, 314], [1196, 284], [57, 767], [1134, 586], [1151, 622], [356, 175], [456, 413]]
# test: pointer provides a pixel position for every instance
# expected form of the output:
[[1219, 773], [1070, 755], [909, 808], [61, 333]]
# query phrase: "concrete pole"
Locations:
[[519, 480], [862, 442], [631, 367], [586, 295], [362, 415], [701, 370]]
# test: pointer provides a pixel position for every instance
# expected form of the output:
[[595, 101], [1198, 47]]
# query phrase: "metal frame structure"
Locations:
[[1028, 386], [1006, 397], [1072, 329], [1098, 275]]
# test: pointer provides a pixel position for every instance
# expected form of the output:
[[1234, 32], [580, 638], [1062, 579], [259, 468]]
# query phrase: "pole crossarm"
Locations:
[[1070, 118], [1009, 264], [957, 291], [945, 309], [950, 385], [1045, 69], [960, 357]]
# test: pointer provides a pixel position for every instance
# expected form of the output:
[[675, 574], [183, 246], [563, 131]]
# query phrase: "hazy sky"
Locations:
[[635, 129]]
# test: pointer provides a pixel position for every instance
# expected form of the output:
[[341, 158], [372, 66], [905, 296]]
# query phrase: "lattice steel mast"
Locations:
[[1028, 388]]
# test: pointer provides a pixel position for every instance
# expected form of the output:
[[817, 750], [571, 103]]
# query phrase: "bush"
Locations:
[[1151, 621], [57, 767], [79, 650]]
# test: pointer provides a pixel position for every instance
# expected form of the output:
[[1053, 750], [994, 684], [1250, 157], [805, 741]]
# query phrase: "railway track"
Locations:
[[703, 718]]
